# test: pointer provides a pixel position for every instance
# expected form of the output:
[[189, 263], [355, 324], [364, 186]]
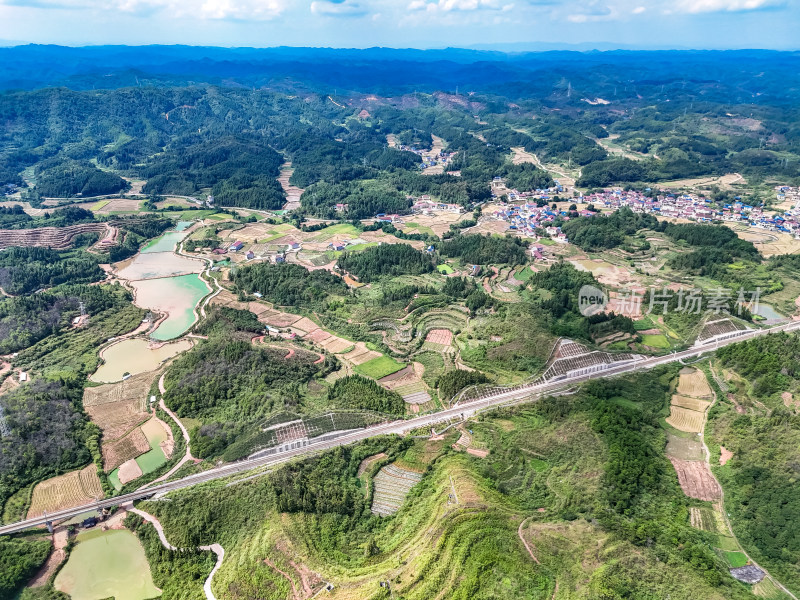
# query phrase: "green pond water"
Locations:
[[183, 225], [184, 293], [165, 243], [107, 564]]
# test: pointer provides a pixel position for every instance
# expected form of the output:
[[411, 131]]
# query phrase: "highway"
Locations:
[[499, 398]]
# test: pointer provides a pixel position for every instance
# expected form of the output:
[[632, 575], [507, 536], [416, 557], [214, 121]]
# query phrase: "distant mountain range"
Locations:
[[394, 71]]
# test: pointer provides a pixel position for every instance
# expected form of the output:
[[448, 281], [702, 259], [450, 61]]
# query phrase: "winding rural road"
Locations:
[[215, 548], [293, 450]]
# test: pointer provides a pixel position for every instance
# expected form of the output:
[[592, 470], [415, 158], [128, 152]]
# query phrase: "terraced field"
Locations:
[[392, 485]]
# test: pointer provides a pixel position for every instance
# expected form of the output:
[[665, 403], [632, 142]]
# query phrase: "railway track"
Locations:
[[496, 398]]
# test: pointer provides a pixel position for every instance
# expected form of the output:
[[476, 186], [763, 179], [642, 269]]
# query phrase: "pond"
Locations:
[[105, 564], [134, 356], [175, 296], [769, 313]]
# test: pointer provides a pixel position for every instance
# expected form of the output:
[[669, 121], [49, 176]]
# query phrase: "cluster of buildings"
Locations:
[[499, 188], [429, 158], [701, 209], [526, 218], [784, 193], [426, 206]]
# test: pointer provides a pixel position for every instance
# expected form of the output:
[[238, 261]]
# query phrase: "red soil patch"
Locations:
[[478, 453], [439, 336], [724, 455], [696, 479]]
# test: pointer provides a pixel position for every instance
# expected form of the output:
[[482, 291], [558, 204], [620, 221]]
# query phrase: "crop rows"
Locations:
[[66, 491], [690, 403], [392, 485], [686, 420], [694, 384], [132, 445]]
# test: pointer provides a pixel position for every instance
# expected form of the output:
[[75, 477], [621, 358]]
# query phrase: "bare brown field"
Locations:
[[120, 205], [686, 420], [692, 382], [684, 448], [696, 479], [724, 455], [129, 471], [305, 325], [66, 491], [129, 447], [723, 181], [520, 156]]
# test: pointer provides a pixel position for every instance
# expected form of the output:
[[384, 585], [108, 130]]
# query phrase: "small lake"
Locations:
[[175, 296], [107, 564], [134, 356]]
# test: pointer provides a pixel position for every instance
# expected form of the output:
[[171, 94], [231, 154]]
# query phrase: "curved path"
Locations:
[[215, 548], [725, 518], [186, 457]]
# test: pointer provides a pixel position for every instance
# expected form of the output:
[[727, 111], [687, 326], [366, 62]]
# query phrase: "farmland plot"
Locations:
[[129, 447], [392, 485], [690, 403], [684, 419], [66, 491], [692, 382], [118, 409]]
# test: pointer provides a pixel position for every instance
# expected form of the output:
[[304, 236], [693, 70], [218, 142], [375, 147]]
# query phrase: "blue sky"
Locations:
[[405, 23]]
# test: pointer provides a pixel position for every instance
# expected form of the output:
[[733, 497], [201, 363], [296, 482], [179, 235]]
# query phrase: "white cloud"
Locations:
[[703, 6], [257, 10], [446, 6], [639, 10]]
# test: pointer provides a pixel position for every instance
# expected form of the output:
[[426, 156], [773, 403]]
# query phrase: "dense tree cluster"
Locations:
[[363, 200], [769, 362], [19, 560], [602, 232], [25, 270], [222, 319], [453, 382], [48, 433], [70, 178], [289, 284], [562, 283], [485, 249], [717, 246], [385, 260], [226, 379], [636, 464], [355, 391], [241, 172], [27, 319]]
